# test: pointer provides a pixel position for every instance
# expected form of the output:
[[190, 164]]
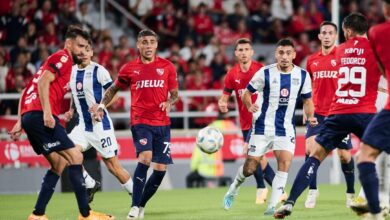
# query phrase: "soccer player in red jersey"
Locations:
[[323, 69], [39, 108], [352, 108], [377, 135], [236, 80], [151, 79]]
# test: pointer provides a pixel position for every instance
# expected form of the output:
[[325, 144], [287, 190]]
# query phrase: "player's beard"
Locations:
[[76, 59]]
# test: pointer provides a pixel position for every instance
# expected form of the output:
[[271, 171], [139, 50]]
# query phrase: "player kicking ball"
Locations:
[[88, 82], [280, 86]]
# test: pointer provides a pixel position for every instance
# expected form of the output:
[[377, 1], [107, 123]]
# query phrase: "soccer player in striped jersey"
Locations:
[[351, 111], [279, 85], [323, 69], [236, 80], [88, 82]]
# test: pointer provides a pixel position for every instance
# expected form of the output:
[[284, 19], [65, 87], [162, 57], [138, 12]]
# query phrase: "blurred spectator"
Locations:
[[302, 48], [187, 30], [205, 69], [218, 67], [50, 35], [229, 6], [373, 14], [17, 70], [43, 54], [66, 17], [45, 15], [254, 6], [282, 9], [210, 49], [14, 25], [31, 34], [297, 22], [142, 9], [125, 49], [224, 34], [3, 73], [314, 18], [236, 16], [260, 23], [185, 51], [106, 52], [242, 31], [5, 6], [20, 47], [10, 107], [277, 32], [203, 24], [83, 17], [194, 4], [168, 27]]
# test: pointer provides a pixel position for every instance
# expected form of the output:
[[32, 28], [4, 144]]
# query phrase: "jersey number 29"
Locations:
[[351, 77]]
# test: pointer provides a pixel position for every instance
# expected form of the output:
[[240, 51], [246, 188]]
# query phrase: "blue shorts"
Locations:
[[45, 140], [346, 143], [377, 133], [246, 135], [336, 127], [153, 138]]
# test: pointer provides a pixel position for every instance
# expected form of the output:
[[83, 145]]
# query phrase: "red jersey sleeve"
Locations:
[[172, 78], [56, 62], [228, 89], [123, 80], [308, 63]]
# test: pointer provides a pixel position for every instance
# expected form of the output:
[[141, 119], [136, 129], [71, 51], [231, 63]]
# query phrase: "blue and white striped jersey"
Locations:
[[277, 98], [87, 86]]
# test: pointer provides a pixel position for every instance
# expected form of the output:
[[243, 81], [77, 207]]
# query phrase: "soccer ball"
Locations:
[[209, 140]]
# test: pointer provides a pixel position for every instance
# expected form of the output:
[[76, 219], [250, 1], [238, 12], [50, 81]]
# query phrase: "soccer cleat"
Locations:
[[133, 213], [96, 216], [360, 206], [283, 197], [283, 211], [350, 197], [91, 191], [261, 195], [228, 200], [37, 217], [311, 199], [270, 211], [141, 214]]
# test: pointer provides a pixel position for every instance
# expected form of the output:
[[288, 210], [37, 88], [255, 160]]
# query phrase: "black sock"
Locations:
[[77, 180], [151, 186], [258, 174], [269, 174], [313, 183], [349, 173], [369, 180], [47, 189], [139, 180]]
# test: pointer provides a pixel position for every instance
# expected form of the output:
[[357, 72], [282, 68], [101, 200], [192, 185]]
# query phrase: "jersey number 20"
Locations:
[[350, 77]]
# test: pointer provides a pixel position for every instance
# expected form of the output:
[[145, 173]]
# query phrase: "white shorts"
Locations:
[[104, 141], [261, 144]]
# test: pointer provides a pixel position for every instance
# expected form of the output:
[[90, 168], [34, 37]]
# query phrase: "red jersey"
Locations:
[[323, 70], [149, 87], [59, 63], [358, 78], [379, 36], [237, 80]]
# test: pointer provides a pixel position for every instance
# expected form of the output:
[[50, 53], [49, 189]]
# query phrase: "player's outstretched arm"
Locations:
[[247, 101], [108, 96], [174, 97], [43, 89], [223, 102], [308, 108]]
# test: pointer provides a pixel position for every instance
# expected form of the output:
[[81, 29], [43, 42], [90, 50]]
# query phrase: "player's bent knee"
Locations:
[[367, 154]]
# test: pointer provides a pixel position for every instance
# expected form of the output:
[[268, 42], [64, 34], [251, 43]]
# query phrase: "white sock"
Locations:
[[89, 181], [361, 193], [128, 186], [278, 185], [238, 180]]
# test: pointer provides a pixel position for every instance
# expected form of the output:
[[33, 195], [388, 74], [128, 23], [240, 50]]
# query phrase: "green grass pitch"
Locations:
[[181, 204]]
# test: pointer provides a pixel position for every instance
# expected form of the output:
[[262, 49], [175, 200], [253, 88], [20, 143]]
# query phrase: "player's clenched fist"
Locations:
[[48, 120]]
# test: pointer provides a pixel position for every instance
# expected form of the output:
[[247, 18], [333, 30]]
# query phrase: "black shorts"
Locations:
[[377, 134], [45, 140]]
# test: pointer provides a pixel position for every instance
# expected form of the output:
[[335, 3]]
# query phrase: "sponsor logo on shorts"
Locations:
[[47, 146], [143, 141]]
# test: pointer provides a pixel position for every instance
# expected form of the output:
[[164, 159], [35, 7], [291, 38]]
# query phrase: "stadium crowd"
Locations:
[[194, 35]]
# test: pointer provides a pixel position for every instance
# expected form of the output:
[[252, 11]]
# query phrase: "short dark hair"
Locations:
[[386, 1], [328, 23], [242, 41], [285, 42], [147, 32], [357, 22], [74, 31]]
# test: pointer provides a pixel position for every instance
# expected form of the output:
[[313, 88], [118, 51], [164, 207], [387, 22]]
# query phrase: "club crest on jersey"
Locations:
[[160, 72], [333, 62], [64, 58], [284, 92], [79, 86], [143, 141], [59, 65]]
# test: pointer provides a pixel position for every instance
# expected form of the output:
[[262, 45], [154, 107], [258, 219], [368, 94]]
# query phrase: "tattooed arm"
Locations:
[[166, 106], [108, 96]]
